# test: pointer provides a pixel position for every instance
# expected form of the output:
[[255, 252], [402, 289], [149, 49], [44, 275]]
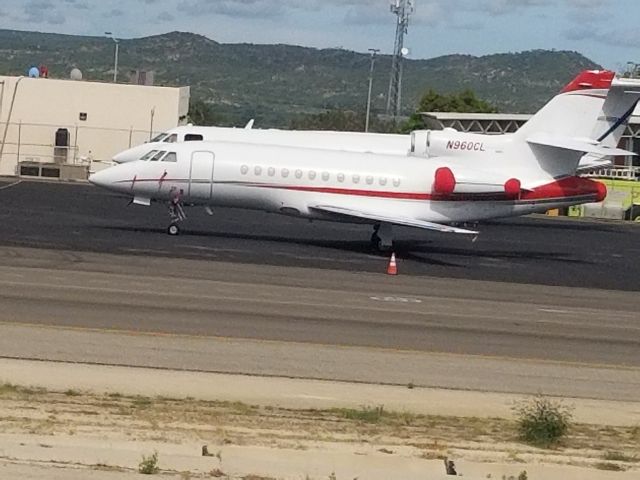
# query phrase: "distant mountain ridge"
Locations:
[[274, 83]]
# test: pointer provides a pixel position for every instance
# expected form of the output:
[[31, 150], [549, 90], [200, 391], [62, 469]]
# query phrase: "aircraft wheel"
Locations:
[[173, 230]]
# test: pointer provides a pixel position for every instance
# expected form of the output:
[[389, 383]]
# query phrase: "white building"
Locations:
[[69, 124]]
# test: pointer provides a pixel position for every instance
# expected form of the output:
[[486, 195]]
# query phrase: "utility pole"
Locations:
[[402, 9], [374, 52], [115, 61]]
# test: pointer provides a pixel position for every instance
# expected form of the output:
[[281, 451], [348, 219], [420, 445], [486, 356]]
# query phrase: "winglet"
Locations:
[[249, 124]]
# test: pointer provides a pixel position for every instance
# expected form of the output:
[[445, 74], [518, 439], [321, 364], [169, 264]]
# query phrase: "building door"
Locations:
[[201, 176]]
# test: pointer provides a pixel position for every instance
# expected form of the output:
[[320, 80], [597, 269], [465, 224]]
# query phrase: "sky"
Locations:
[[606, 31]]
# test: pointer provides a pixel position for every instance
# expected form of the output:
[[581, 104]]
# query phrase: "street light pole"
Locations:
[[115, 61], [373, 51]]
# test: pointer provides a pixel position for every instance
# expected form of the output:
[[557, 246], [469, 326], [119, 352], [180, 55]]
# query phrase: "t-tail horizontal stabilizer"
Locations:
[[406, 222], [576, 144]]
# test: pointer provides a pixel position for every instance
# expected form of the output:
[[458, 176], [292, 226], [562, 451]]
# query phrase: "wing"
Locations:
[[407, 222]]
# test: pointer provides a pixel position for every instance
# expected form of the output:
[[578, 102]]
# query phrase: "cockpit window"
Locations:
[[170, 157], [193, 137], [173, 138], [158, 138], [157, 156], [148, 155]]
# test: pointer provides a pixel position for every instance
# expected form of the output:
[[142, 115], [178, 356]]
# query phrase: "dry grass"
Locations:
[[232, 423]]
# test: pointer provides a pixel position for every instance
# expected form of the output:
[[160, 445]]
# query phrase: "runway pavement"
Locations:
[[533, 251], [83, 278]]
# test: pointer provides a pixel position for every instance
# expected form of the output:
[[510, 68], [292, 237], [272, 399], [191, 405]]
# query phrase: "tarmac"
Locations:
[[314, 303], [274, 310], [543, 251]]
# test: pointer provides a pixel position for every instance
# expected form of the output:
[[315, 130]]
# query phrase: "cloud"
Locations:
[[614, 38], [164, 16], [114, 12], [42, 11]]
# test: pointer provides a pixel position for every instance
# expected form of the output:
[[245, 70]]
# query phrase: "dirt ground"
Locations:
[[75, 434]]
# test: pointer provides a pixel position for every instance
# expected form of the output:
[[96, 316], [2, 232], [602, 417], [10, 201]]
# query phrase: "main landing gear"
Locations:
[[382, 237], [176, 212]]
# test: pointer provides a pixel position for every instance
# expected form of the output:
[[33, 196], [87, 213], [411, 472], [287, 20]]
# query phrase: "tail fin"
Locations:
[[573, 112], [581, 120]]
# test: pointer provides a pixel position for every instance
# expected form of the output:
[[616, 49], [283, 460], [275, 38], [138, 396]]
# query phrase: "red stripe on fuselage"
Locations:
[[561, 189]]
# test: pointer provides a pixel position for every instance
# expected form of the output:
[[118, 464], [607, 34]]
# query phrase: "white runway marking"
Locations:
[[396, 299], [551, 310]]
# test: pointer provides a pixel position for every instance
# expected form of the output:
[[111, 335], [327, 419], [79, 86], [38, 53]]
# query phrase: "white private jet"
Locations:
[[477, 177], [388, 144]]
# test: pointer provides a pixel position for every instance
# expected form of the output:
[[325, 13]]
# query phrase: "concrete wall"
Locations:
[[117, 116]]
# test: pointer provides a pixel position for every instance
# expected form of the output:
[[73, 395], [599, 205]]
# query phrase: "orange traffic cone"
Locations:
[[392, 269]]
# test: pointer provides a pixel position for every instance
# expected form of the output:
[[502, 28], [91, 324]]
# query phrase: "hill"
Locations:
[[274, 83]]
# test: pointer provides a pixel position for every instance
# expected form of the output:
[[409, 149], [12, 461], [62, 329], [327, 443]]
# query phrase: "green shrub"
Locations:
[[365, 414], [149, 465], [542, 421]]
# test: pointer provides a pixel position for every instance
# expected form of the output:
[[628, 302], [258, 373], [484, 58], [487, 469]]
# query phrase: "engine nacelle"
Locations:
[[447, 183]]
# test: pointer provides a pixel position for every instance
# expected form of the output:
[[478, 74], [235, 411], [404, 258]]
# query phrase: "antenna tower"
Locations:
[[402, 9]]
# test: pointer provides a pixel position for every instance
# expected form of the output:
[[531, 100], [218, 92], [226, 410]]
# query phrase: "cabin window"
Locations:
[[396, 182], [369, 180], [157, 156], [244, 169], [148, 155], [341, 177], [193, 137], [298, 173], [285, 172], [326, 176], [170, 157], [257, 171], [271, 171], [158, 138], [312, 175], [383, 181], [356, 179]]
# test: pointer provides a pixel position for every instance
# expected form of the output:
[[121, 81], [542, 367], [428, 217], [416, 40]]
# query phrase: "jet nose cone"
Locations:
[[101, 178]]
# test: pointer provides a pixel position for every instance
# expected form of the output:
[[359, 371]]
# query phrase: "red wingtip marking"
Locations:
[[590, 79]]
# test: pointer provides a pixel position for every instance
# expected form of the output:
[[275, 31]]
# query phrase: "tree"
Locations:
[[339, 120], [202, 113], [432, 101]]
